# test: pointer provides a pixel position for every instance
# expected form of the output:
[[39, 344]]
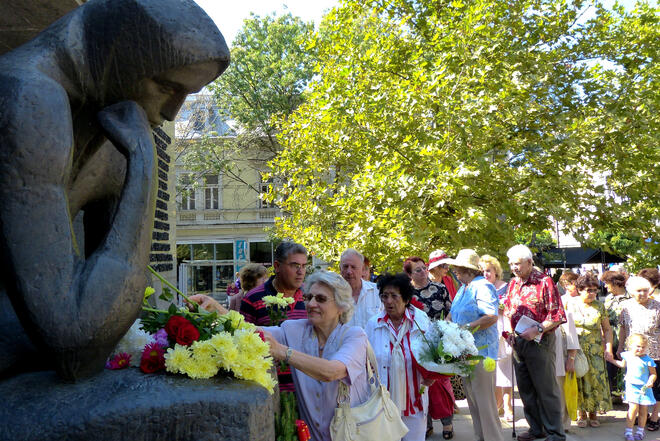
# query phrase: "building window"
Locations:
[[211, 192], [261, 252], [187, 192], [263, 189]]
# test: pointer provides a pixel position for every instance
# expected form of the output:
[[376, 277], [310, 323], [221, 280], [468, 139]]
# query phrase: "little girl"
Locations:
[[640, 375]]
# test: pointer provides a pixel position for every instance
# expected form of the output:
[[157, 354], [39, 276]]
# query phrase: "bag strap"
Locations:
[[344, 390]]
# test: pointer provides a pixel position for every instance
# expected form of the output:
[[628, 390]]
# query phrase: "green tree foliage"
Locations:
[[269, 71], [641, 253], [265, 82], [450, 124]]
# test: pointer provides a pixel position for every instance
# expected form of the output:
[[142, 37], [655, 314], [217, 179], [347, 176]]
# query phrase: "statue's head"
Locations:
[[152, 51]]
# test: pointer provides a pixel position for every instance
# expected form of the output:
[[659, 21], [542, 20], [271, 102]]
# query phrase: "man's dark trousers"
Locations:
[[537, 385]]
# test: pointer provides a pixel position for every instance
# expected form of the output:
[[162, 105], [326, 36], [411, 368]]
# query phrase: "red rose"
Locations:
[[153, 358], [186, 335], [173, 323], [181, 330]]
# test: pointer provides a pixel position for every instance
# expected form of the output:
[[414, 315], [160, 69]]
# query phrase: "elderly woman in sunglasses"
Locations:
[[322, 351], [390, 333]]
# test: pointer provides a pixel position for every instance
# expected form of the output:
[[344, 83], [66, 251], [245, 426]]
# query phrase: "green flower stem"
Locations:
[[144, 308], [162, 279]]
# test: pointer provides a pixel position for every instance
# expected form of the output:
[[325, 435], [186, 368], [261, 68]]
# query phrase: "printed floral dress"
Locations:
[[593, 388]]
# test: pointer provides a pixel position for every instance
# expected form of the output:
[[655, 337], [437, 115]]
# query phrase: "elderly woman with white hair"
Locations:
[[322, 351], [641, 315]]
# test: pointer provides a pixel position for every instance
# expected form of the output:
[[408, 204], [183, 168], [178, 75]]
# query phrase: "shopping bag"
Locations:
[[570, 394]]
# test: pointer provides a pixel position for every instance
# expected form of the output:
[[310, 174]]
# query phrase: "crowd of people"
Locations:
[[542, 341]]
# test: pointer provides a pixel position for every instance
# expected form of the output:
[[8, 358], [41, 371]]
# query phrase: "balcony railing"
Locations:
[[226, 216]]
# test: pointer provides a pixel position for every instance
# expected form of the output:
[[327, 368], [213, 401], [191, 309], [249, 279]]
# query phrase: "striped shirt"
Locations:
[[254, 311]]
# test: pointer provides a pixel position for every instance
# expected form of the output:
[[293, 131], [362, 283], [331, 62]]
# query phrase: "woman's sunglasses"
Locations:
[[320, 298]]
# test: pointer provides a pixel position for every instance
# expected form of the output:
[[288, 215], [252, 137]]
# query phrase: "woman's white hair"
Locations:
[[519, 252], [635, 282], [340, 288]]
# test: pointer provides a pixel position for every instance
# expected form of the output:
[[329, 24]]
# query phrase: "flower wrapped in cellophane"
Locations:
[[446, 348]]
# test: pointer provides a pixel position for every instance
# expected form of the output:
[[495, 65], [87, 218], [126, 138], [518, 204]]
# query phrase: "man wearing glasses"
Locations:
[[290, 266], [365, 293]]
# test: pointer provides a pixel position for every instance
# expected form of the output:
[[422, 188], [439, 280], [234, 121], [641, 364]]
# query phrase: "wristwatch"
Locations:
[[539, 328]]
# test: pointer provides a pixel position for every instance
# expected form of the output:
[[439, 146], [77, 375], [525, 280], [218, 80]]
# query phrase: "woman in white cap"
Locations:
[[439, 272], [475, 307]]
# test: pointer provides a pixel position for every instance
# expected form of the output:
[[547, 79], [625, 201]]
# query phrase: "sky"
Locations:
[[229, 16]]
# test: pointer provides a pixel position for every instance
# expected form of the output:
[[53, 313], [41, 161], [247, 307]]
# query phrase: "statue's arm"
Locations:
[[75, 308]]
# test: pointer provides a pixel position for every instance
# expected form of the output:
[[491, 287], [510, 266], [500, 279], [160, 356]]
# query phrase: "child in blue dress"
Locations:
[[640, 375]]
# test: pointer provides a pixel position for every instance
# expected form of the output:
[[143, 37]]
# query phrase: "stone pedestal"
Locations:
[[129, 405]]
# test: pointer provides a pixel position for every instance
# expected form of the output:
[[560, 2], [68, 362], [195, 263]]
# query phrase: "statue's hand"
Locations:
[[125, 124]]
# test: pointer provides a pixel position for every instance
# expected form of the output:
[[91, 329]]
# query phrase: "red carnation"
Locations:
[[153, 358], [417, 304], [181, 330]]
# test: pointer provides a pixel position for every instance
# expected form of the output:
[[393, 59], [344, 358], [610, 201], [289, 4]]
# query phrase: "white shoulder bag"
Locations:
[[376, 419]]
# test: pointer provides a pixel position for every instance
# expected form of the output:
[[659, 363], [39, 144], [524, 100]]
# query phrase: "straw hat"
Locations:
[[435, 257], [466, 258]]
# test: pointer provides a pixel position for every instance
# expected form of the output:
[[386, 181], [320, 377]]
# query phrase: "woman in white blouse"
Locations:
[[390, 333]]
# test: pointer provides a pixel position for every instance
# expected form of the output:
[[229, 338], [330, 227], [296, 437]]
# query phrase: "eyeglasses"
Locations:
[[384, 296], [320, 298], [419, 270], [297, 266]]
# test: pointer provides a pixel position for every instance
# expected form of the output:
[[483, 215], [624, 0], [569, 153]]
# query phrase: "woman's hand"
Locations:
[[208, 303], [428, 382], [570, 364], [277, 350], [609, 356]]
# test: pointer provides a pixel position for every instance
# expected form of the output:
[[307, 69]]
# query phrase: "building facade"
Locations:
[[222, 223]]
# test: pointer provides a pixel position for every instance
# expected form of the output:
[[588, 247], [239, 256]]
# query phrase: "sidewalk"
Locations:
[[611, 428]]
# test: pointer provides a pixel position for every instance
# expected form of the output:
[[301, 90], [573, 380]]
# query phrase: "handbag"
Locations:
[[378, 418], [581, 364]]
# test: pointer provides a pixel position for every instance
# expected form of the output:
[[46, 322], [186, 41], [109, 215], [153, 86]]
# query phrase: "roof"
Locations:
[[577, 256]]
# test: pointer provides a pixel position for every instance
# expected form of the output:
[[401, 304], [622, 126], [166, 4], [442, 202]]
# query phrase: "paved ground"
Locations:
[[611, 428]]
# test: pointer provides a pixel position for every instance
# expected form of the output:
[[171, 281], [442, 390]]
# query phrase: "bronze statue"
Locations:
[[77, 172]]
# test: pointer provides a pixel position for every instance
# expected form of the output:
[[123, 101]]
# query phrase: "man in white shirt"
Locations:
[[365, 294]]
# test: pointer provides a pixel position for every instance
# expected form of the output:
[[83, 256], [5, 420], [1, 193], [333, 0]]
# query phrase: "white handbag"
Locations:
[[581, 364], [376, 419]]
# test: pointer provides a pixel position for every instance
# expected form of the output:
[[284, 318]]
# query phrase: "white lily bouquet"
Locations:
[[447, 349]]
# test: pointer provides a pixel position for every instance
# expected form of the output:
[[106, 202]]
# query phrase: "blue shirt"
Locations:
[[471, 302], [637, 368]]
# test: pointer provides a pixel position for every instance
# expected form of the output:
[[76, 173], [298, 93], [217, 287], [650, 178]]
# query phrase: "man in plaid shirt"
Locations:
[[534, 295]]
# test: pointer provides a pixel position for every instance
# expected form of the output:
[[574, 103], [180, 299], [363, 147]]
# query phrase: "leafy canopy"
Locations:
[[451, 124]]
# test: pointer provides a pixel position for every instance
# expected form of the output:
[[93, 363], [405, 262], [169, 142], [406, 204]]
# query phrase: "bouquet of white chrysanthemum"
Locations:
[[447, 349]]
